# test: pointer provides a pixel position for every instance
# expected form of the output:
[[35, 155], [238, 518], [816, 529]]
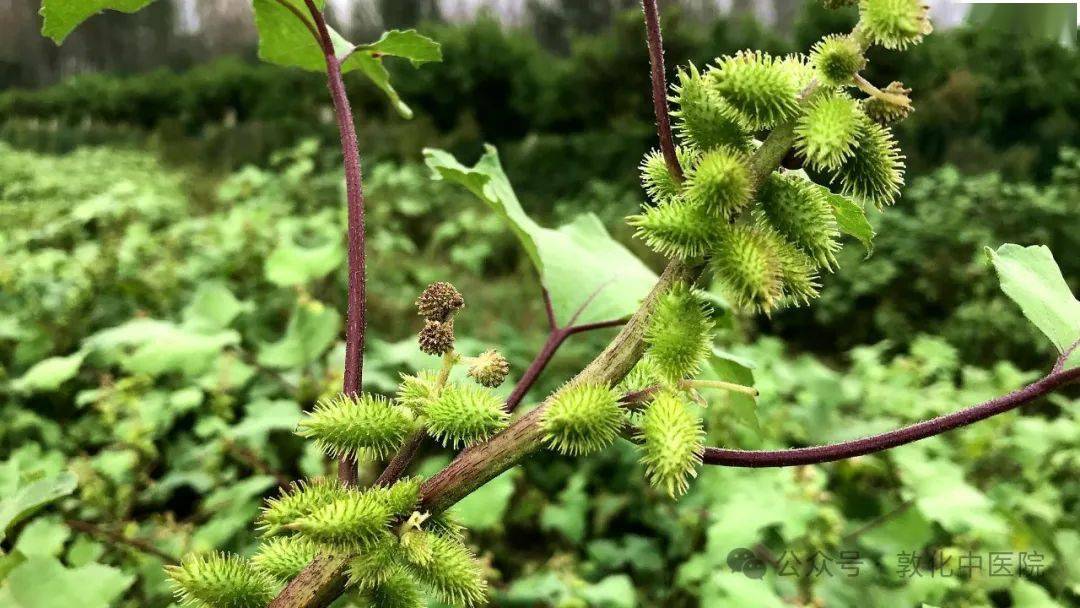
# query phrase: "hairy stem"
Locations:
[[356, 312], [891, 439], [659, 87]]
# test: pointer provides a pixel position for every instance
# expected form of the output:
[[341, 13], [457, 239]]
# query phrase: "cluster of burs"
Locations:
[[397, 554], [765, 233]]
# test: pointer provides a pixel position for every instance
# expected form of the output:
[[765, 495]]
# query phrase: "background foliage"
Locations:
[[164, 318]]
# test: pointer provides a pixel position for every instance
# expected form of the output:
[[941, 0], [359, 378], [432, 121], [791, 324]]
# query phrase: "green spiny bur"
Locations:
[[676, 229], [748, 269], [401, 497], [827, 134], [375, 563], [671, 443], [703, 119], [799, 211], [218, 580], [399, 589], [353, 521], [367, 427], [837, 58], [657, 180], [894, 24], [453, 575], [719, 183], [758, 86], [465, 414], [679, 335], [283, 557], [798, 273], [876, 173], [416, 392], [299, 500], [582, 419]]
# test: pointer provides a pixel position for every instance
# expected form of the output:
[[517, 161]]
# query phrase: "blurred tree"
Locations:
[[407, 13]]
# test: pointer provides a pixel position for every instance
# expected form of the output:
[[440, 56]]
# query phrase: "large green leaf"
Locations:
[[312, 328], [43, 582], [579, 263], [286, 38], [26, 499], [62, 16], [1031, 277], [484, 509]]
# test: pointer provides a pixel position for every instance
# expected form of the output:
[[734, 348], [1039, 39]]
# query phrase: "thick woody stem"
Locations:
[[356, 312]]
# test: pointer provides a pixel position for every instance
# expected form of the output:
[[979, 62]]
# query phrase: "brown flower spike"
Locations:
[[439, 301]]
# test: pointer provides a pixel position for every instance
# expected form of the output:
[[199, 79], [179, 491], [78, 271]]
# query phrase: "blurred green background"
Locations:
[[172, 275]]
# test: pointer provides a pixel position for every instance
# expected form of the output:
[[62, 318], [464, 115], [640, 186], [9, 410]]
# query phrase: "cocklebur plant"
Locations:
[[722, 206], [400, 555]]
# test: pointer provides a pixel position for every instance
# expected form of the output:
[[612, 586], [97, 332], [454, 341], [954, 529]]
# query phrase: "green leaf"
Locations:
[[49, 374], [732, 368], [851, 219], [213, 308], [185, 352], [579, 263], [63, 16], [43, 582], [293, 264], [312, 328], [1026, 594], [484, 509], [408, 44], [284, 39], [569, 514], [45, 537], [1032, 279], [615, 591], [374, 69], [32, 496]]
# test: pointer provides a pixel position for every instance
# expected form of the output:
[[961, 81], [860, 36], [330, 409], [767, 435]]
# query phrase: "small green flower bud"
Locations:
[[437, 337], [837, 59], [883, 111], [439, 301], [489, 369]]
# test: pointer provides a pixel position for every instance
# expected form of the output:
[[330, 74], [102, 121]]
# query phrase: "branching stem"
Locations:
[[891, 98], [119, 539], [891, 439], [720, 384]]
